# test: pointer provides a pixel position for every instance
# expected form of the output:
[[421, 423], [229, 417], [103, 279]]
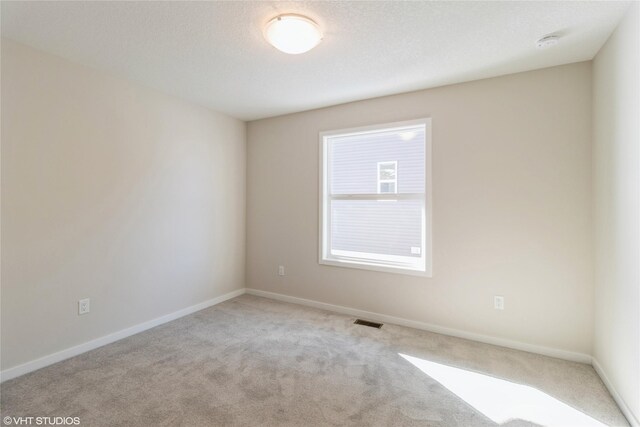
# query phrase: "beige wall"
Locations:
[[114, 192], [616, 115], [511, 214]]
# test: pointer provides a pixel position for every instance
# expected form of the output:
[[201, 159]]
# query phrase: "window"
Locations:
[[375, 189], [387, 181]]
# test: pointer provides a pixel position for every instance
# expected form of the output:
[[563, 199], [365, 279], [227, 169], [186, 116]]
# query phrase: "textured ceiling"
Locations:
[[213, 53]]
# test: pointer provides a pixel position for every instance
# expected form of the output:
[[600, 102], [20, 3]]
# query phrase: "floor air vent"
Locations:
[[367, 323]]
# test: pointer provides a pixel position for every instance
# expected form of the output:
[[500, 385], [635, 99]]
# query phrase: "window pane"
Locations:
[[387, 187], [353, 161], [387, 171], [377, 226]]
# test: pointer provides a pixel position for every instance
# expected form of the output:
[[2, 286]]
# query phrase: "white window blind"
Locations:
[[375, 197]]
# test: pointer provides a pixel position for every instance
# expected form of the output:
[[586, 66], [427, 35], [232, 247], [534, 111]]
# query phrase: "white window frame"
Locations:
[[388, 181], [423, 265]]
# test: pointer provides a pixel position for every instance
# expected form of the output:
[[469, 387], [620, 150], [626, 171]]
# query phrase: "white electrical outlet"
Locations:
[[281, 270], [498, 302], [84, 306]]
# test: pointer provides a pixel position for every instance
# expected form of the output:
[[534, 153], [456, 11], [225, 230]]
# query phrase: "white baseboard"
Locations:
[[383, 318], [50, 359], [614, 393]]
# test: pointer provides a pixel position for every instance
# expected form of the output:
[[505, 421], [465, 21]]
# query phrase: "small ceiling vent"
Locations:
[[547, 42]]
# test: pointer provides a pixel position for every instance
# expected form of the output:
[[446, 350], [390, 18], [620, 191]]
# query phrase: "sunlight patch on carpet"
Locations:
[[502, 400]]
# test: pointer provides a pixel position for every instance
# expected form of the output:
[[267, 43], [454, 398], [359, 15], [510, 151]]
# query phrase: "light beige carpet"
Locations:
[[256, 362]]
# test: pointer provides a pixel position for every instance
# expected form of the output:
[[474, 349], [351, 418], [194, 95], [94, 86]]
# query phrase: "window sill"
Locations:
[[361, 265]]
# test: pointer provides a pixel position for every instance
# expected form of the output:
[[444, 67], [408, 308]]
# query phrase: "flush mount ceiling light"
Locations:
[[292, 33], [547, 42]]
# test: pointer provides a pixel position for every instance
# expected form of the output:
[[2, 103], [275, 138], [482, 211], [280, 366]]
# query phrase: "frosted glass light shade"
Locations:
[[292, 34]]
